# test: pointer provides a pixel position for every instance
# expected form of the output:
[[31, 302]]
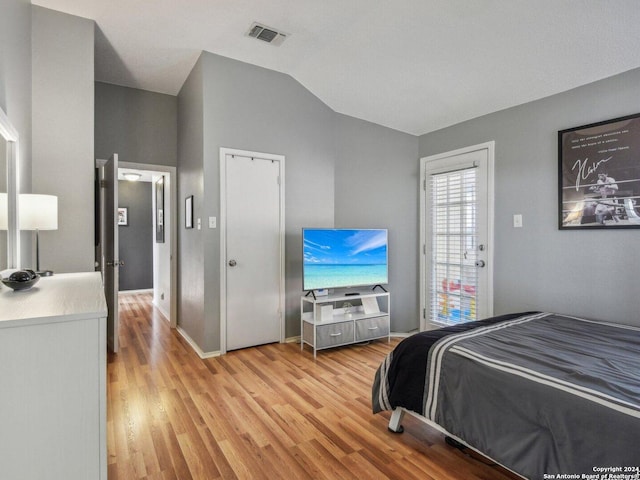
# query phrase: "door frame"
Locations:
[[223, 238], [424, 162], [110, 287], [173, 230]]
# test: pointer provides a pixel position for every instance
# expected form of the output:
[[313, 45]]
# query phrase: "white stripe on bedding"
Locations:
[[587, 393], [383, 396], [439, 349]]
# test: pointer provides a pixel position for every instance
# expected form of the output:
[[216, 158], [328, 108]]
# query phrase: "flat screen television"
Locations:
[[340, 258]]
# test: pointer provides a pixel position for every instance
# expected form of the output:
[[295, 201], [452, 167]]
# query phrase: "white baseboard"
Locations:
[[400, 334], [393, 335], [195, 346], [161, 310], [143, 290], [295, 339]]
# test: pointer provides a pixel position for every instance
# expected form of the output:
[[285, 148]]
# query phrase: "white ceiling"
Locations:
[[412, 65]]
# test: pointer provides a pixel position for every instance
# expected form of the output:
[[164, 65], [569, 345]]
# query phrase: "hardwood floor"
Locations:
[[267, 412]]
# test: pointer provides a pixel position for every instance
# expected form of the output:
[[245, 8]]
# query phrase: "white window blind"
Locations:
[[454, 278]]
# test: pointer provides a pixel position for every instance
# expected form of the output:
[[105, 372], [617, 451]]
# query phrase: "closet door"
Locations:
[[253, 258]]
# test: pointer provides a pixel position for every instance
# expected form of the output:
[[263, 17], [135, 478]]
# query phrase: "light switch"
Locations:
[[199, 224], [212, 222], [517, 220]]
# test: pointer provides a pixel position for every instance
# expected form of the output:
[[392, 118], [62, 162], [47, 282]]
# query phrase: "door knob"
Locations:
[[232, 263], [480, 263]]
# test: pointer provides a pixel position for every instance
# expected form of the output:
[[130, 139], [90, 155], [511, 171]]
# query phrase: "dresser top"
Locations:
[[61, 297]]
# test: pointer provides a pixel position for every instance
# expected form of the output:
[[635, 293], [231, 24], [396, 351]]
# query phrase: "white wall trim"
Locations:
[[10, 134], [141, 290], [194, 345], [223, 235], [424, 161], [164, 313], [401, 334]]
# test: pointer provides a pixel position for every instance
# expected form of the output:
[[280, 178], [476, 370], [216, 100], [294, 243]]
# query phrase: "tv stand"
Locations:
[[344, 319]]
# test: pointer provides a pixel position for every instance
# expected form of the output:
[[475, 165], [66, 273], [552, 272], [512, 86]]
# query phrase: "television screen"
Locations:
[[335, 258]]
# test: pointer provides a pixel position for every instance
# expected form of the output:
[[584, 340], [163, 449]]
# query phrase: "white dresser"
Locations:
[[53, 379]]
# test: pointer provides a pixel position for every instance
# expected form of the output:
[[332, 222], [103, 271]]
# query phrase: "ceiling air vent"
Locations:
[[266, 34]]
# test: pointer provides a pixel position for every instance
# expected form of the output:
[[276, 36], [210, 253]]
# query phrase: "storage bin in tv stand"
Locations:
[[346, 325]]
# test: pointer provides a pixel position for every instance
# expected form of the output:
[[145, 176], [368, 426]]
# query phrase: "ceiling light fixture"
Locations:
[[131, 176]]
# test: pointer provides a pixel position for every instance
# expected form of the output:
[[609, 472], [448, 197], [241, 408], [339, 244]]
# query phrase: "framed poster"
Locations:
[[159, 190], [599, 175], [123, 216], [188, 212]]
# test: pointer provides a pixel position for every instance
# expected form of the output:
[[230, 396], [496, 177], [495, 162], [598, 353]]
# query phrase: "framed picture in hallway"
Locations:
[[188, 212], [160, 210], [123, 216], [599, 175]]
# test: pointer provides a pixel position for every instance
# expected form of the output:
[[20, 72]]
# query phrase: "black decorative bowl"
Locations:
[[21, 280]]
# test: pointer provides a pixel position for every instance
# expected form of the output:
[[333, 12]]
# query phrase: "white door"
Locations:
[[457, 234], [109, 261], [253, 243]]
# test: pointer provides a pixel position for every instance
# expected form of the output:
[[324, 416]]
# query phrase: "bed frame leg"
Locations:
[[396, 420]]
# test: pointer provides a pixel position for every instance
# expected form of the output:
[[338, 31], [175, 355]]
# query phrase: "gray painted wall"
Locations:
[[589, 273], [63, 119], [135, 241], [140, 126], [15, 87], [376, 186], [339, 172], [250, 108], [191, 286]]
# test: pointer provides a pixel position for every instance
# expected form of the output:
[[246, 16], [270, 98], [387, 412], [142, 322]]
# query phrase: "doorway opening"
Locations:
[[456, 228], [147, 233]]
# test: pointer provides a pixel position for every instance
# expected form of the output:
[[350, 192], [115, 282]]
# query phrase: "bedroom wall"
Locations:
[[63, 119], [15, 86], [376, 186], [140, 126], [538, 267], [252, 108], [191, 287], [136, 240]]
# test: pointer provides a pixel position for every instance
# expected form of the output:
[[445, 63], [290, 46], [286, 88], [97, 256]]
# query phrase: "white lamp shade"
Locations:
[[4, 212], [37, 212]]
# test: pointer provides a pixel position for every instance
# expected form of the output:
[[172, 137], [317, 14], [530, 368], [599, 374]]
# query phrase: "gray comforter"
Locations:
[[540, 394]]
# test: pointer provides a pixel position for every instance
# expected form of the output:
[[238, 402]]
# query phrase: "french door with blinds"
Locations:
[[456, 229]]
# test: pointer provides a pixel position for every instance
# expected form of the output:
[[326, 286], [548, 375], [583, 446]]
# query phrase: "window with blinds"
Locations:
[[454, 277]]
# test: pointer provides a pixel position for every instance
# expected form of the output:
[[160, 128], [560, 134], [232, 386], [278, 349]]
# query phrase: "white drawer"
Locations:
[[334, 334], [369, 328]]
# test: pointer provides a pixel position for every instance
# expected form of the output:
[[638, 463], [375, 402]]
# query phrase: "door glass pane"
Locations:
[[454, 239]]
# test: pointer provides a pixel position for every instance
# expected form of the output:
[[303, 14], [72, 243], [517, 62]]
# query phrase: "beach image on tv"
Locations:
[[344, 258]]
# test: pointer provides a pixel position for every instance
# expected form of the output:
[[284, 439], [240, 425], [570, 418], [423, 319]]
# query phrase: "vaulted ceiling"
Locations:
[[412, 65]]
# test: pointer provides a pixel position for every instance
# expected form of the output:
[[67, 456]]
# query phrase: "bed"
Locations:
[[538, 393]]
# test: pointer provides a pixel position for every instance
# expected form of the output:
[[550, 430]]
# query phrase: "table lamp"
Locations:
[[38, 212]]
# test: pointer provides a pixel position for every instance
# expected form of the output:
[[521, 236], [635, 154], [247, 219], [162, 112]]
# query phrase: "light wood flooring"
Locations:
[[267, 412]]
